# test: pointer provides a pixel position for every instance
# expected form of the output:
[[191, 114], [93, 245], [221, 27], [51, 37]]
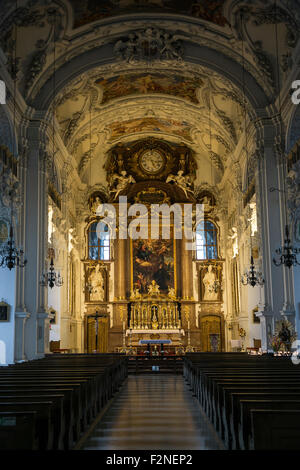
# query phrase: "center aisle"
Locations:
[[154, 412]]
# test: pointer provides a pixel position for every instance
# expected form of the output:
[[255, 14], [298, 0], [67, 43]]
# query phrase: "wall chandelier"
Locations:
[[51, 278], [10, 256], [252, 277], [287, 253]]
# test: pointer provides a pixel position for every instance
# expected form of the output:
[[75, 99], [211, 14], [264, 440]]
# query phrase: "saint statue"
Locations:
[[210, 283], [96, 205], [97, 285], [207, 202]]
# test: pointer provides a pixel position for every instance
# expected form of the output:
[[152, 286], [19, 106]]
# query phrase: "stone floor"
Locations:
[[154, 412]]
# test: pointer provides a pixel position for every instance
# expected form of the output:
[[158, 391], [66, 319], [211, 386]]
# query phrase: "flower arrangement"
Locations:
[[242, 332], [275, 342]]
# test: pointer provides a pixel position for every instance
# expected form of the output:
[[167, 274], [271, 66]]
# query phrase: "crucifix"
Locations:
[[96, 329]]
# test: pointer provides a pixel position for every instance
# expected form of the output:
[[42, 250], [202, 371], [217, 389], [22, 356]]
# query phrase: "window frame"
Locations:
[[205, 246], [100, 245]]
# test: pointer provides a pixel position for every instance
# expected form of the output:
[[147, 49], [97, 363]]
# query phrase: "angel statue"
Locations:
[[135, 294], [171, 293], [122, 182], [183, 182], [153, 289]]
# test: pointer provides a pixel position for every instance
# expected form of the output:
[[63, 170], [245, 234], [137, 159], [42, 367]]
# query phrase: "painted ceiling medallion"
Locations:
[[151, 161]]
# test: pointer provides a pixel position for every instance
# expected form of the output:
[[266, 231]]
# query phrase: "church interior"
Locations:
[[117, 118]]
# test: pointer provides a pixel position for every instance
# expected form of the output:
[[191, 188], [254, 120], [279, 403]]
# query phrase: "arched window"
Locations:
[[99, 241], [206, 240]]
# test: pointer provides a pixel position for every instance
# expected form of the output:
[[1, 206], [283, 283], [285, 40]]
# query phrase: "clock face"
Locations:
[[151, 161]]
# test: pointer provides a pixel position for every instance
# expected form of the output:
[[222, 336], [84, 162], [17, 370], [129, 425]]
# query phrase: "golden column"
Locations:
[[121, 269], [186, 270]]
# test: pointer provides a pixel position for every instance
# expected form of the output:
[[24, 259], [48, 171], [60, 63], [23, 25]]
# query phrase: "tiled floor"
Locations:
[[154, 412]]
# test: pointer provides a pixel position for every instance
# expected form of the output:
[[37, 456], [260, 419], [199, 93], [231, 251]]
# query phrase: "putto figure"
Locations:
[[172, 293]]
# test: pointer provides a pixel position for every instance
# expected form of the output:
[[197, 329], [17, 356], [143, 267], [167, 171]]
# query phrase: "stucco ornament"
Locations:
[[149, 44]]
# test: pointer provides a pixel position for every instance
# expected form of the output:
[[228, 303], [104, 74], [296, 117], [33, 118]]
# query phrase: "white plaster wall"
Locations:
[[54, 303], [296, 272], [7, 329]]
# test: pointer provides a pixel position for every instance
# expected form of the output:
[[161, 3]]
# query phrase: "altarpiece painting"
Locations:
[[153, 260]]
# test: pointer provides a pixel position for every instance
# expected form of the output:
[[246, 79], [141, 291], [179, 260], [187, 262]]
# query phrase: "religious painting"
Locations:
[[4, 311], [210, 275], [51, 253], [132, 84], [86, 12], [178, 128], [3, 231], [153, 260], [214, 340], [53, 317]]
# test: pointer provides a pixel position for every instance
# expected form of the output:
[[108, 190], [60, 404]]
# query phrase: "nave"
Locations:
[[231, 401], [154, 412]]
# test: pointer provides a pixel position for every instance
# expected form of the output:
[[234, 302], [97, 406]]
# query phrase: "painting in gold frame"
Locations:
[[153, 260]]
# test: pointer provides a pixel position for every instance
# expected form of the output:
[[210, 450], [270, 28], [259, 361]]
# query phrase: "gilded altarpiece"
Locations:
[[154, 307]]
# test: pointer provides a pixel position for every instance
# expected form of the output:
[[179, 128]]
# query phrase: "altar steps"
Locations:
[[155, 365]]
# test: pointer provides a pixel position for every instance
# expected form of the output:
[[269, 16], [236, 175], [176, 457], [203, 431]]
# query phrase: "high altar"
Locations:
[[144, 287]]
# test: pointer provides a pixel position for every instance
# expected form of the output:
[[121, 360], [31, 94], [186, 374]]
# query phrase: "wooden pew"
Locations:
[[274, 429], [18, 429], [229, 388], [248, 405], [44, 427], [57, 417], [76, 386]]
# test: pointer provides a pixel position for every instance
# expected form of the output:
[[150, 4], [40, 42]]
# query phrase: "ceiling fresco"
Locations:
[[165, 83], [178, 128], [118, 93], [92, 10]]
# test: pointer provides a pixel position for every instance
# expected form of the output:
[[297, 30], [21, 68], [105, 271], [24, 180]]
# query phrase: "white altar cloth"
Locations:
[[160, 332]]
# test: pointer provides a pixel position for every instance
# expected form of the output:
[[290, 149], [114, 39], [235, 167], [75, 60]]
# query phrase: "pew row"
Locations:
[[229, 386], [56, 398]]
